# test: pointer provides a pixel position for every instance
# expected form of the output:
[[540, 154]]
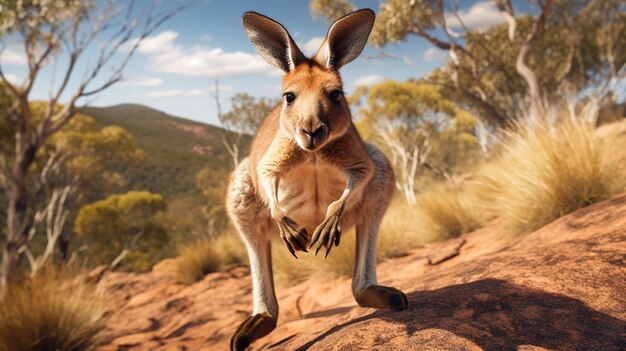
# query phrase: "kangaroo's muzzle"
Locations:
[[313, 138]]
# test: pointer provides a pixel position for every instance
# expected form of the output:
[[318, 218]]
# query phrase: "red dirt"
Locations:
[[559, 288]]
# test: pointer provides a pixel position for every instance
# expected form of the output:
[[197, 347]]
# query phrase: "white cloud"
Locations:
[[368, 80], [481, 15], [196, 92], [435, 55], [165, 93], [167, 56], [312, 45], [160, 43], [140, 81], [182, 92], [11, 57]]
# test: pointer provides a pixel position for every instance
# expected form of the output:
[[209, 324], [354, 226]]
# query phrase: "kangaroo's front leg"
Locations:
[[272, 165], [328, 233]]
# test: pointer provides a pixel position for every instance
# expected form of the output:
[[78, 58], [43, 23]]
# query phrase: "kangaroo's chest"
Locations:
[[306, 191]]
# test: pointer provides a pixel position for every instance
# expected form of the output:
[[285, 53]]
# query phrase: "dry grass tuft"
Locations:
[[442, 213], [545, 173], [205, 256], [56, 310]]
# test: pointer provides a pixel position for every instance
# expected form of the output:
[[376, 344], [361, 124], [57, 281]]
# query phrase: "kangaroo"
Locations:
[[309, 171]]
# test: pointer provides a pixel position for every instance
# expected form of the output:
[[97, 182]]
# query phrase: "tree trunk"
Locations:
[[17, 224], [9, 265], [535, 94]]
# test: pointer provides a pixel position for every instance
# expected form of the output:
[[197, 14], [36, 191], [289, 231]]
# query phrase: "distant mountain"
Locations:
[[176, 148]]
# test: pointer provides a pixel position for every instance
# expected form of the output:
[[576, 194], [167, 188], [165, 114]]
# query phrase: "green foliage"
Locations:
[[175, 149], [56, 310], [213, 187], [92, 155], [119, 222], [330, 10], [247, 112], [570, 56], [48, 15], [415, 117]]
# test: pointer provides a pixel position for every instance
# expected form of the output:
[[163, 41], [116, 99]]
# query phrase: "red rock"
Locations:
[[560, 288]]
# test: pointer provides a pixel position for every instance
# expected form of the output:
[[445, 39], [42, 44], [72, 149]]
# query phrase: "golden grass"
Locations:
[[397, 235], [53, 311], [205, 256], [545, 173], [442, 213]]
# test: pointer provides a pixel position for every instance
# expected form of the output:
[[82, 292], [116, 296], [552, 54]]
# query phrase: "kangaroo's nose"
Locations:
[[319, 131]]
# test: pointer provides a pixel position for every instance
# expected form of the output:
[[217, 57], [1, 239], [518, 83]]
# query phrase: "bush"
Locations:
[[53, 311], [544, 173], [205, 256]]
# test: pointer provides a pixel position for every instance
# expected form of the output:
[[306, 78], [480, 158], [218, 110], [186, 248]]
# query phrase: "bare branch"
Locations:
[[521, 65], [231, 136], [384, 54]]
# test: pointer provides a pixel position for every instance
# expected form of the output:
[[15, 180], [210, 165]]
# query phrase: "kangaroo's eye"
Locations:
[[335, 95], [289, 97]]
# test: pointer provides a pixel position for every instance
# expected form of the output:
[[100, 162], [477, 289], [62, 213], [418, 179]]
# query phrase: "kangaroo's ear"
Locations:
[[272, 41], [346, 39]]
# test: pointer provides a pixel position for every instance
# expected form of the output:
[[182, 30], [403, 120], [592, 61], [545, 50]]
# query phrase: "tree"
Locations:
[[242, 121], [423, 131], [571, 45], [123, 227], [75, 165], [213, 185], [56, 34]]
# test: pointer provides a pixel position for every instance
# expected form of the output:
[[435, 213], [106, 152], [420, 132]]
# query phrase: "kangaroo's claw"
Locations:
[[327, 234], [253, 328], [294, 236]]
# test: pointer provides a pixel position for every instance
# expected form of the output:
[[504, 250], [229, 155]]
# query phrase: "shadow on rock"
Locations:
[[497, 315]]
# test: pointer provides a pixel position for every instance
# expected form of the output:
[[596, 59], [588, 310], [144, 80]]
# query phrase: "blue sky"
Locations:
[[176, 67]]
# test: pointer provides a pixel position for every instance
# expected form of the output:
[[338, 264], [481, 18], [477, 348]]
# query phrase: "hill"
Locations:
[[176, 148], [559, 288]]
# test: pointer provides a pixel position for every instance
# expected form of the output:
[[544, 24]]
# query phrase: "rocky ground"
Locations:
[[560, 288]]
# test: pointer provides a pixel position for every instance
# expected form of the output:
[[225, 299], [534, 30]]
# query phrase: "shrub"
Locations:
[[545, 173], [53, 311]]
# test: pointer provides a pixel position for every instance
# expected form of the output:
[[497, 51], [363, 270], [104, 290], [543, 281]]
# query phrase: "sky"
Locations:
[[175, 69]]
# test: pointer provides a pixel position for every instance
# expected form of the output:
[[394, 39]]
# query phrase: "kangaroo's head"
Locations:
[[314, 109]]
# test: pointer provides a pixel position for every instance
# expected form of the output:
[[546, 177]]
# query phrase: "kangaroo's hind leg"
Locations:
[[252, 220], [365, 289]]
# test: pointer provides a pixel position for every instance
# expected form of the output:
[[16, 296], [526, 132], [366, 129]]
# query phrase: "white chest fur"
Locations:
[[305, 192]]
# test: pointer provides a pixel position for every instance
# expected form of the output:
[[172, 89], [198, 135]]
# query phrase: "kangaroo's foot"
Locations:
[[328, 234], [294, 236], [379, 296], [255, 327]]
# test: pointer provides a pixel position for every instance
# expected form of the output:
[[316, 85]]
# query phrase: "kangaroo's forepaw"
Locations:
[[379, 296], [327, 234], [255, 327], [294, 236]]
